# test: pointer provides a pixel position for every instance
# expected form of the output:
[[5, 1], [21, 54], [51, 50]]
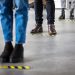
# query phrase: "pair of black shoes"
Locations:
[[63, 17], [12, 55]]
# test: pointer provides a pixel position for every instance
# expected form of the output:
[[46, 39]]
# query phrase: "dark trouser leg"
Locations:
[[50, 11], [38, 4], [63, 12], [63, 5], [62, 16], [51, 17], [72, 13]]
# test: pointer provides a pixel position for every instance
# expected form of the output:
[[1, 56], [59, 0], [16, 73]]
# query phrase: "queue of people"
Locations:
[[12, 53]]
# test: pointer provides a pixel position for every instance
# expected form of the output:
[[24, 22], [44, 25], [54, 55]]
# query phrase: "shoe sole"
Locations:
[[4, 60], [36, 32], [17, 60], [52, 34]]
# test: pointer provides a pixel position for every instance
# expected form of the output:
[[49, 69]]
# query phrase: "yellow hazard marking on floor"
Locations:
[[27, 67], [15, 67], [12, 67], [6, 67], [19, 67]]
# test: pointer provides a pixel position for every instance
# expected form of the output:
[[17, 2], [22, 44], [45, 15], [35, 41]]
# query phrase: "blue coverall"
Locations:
[[21, 18]]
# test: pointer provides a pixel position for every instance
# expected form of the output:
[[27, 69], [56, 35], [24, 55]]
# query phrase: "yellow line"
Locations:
[[5, 67], [12, 67], [27, 67], [20, 67], [15, 67]]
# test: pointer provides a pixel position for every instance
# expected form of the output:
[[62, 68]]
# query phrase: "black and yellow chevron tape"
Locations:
[[15, 67]]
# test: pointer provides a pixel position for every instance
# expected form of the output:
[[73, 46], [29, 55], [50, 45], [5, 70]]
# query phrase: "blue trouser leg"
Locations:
[[6, 19], [21, 20]]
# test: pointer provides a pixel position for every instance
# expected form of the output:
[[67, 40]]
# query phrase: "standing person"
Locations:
[[10, 53], [70, 6], [50, 6]]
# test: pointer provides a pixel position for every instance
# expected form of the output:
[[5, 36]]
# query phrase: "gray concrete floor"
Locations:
[[47, 55]]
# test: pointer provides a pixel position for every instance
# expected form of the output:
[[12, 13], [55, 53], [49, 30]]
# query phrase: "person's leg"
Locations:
[[38, 4], [7, 25], [72, 14], [21, 16], [72, 4], [51, 16], [7, 19], [63, 5], [62, 16]]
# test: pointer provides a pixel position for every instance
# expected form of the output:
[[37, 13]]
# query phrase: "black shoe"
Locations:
[[17, 55], [51, 29], [61, 17], [5, 56], [72, 14], [71, 17], [37, 29]]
